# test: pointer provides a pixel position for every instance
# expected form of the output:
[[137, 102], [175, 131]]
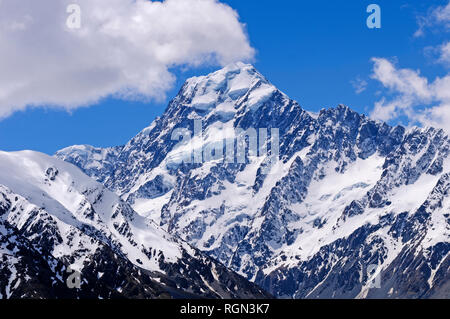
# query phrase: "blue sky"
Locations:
[[311, 50]]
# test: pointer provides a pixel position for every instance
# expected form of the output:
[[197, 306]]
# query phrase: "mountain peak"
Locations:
[[228, 72], [226, 87]]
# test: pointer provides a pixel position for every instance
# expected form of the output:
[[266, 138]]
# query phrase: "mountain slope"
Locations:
[[346, 197], [67, 218]]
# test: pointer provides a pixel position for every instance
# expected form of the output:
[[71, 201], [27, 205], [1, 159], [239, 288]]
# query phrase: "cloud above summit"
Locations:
[[123, 48]]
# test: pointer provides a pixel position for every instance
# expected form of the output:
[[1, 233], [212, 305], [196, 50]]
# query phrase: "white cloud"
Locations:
[[124, 48], [386, 111], [405, 81], [413, 96], [439, 16]]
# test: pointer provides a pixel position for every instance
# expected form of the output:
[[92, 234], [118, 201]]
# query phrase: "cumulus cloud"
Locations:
[[412, 96], [124, 48]]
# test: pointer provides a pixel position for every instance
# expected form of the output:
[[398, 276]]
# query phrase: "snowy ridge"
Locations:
[[75, 200]]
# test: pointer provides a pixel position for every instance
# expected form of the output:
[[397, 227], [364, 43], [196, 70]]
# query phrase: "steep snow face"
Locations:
[[73, 200], [347, 193]]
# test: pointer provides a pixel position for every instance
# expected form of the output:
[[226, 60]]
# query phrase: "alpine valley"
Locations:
[[353, 208]]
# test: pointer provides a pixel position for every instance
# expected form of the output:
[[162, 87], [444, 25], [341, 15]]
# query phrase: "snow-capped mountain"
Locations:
[[351, 204], [53, 216]]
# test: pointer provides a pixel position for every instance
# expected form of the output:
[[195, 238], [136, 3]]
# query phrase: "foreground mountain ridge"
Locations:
[[352, 201], [54, 217]]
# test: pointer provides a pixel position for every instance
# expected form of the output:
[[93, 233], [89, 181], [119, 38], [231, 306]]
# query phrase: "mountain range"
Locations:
[[351, 208]]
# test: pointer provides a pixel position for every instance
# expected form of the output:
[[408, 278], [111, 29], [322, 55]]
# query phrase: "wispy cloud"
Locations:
[[444, 54], [439, 16], [124, 48], [359, 85]]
